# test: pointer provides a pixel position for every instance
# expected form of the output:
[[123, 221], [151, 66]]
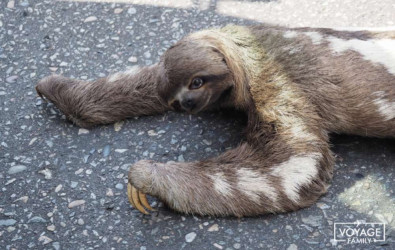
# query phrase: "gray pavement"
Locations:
[[63, 187]]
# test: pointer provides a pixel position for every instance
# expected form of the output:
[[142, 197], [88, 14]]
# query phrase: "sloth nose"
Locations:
[[188, 104]]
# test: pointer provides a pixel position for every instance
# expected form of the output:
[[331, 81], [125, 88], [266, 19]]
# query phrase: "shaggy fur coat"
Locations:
[[296, 85]]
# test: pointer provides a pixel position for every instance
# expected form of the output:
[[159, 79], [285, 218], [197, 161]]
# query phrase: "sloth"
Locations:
[[295, 86]]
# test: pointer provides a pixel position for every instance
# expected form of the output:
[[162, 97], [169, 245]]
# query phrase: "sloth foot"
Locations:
[[138, 199]]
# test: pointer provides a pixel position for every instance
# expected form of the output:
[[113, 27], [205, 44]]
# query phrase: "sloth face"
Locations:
[[195, 76]]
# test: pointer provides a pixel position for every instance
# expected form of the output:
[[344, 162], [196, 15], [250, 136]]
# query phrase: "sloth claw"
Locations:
[[138, 199], [144, 202]]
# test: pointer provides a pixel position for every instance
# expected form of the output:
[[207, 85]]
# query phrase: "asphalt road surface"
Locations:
[[63, 187]]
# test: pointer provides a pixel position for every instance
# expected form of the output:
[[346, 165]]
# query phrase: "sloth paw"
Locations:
[[47, 86], [138, 199], [51, 88], [140, 183]]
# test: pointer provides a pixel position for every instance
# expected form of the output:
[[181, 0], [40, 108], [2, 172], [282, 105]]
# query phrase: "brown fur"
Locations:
[[293, 91]]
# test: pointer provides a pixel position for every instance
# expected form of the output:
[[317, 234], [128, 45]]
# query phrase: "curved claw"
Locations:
[[130, 195], [143, 199], [134, 199]]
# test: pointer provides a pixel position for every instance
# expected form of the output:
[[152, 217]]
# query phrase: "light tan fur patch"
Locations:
[[221, 185], [381, 51], [254, 185], [298, 171]]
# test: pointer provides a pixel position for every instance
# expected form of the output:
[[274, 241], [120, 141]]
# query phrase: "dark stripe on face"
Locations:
[[213, 78]]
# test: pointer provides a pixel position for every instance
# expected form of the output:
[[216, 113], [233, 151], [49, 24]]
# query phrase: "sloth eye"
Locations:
[[196, 83]]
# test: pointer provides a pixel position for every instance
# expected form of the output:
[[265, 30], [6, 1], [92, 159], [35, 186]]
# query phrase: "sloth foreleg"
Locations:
[[106, 100], [244, 181]]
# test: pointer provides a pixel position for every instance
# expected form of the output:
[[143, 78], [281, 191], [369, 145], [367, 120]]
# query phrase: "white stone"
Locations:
[[118, 126], [16, 169], [11, 4], [132, 11], [58, 188], [132, 59], [83, 131], [90, 19], [118, 11], [121, 150], [190, 237], [76, 203], [213, 228]]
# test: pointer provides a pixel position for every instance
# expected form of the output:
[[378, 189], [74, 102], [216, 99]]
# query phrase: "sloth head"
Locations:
[[196, 74]]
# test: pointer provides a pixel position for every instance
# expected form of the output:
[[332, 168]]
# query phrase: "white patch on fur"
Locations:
[[297, 172], [300, 132], [124, 74], [376, 29], [296, 129], [385, 107], [253, 184], [290, 34], [315, 37], [380, 51], [220, 184]]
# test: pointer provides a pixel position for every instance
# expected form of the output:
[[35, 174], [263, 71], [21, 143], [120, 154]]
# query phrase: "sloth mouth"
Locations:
[[176, 106], [199, 108]]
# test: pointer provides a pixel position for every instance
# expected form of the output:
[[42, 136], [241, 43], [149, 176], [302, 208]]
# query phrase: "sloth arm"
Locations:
[[279, 168], [106, 100]]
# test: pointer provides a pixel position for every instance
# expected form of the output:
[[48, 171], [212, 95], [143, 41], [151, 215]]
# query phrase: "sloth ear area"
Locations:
[[234, 63], [162, 83], [217, 51]]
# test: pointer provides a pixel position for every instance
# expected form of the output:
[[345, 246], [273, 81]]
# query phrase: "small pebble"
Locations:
[[37, 219], [190, 237], [109, 192], [24, 199], [213, 228], [90, 19], [11, 79], [106, 151], [118, 11], [8, 222], [47, 173], [118, 126], [11, 4], [56, 245], [208, 143], [45, 239], [217, 246], [58, 188], [132, 11], [80, 222], [132, 59], [147, 54], [312, 220], [16, 169], [83, 131], [76, 203], [121, 150]]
